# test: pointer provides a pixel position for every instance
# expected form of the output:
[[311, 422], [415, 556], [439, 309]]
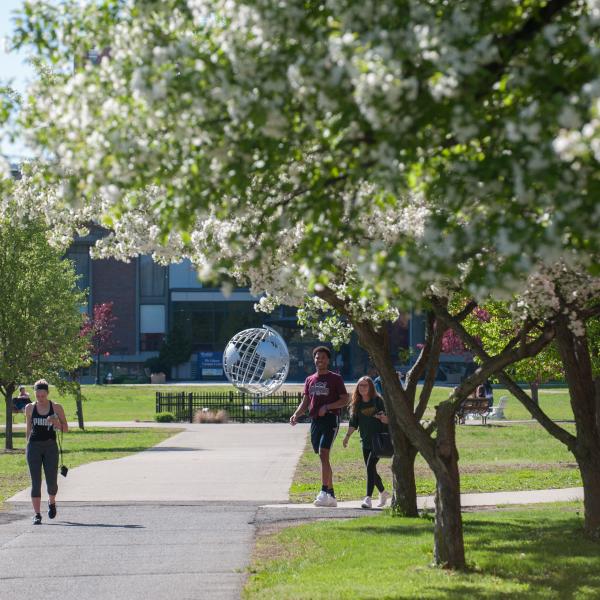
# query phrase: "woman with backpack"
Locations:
[[367, 414]]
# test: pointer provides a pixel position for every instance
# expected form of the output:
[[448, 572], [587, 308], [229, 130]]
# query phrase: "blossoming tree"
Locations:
[[227, 103], [471, 126], [564, 302]]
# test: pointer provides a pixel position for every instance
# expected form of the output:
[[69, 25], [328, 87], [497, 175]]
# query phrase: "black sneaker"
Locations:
[[37, 520], [51, 511]]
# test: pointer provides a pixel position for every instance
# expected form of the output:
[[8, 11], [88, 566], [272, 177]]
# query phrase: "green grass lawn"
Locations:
[[554, 402], [492, 458], [137, 402], [118, 402], [534, 552], [79, 447]]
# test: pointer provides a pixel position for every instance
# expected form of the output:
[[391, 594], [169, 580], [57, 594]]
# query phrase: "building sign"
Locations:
[[210, 364]]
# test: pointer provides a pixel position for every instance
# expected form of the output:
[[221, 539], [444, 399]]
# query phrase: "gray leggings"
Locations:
[[43, 454]]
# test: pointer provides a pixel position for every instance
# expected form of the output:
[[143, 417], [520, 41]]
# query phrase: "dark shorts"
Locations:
[[20, 403], [323, 431]]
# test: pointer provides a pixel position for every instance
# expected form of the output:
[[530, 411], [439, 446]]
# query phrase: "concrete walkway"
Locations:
[[230, 462], [483, 500], [175, 522]]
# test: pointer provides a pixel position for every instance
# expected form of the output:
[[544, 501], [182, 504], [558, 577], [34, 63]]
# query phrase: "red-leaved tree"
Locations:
[[99, 329]]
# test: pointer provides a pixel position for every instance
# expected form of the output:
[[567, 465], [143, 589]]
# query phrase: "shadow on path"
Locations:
[[103, 525]]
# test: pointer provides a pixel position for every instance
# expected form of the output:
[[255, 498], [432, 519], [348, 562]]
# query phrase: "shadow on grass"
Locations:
[[420, 527], [74, 433], [542, 555]]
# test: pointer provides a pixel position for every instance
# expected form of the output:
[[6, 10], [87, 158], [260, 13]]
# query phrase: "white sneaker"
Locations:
[[383, 498], [331, 501], [366, 503], [321, 499]]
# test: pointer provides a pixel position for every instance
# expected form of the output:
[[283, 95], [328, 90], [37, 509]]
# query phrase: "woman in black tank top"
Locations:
[[44, 418]]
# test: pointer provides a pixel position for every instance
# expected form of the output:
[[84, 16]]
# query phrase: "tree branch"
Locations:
[[513, 44], [536, 412], [590, 313], [418, 368], [432, 367], [466, 311]]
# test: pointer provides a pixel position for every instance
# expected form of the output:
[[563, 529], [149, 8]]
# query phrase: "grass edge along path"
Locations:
[[80, 447], [525, 552]]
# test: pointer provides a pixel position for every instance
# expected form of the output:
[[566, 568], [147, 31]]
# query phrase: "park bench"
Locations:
[[497, 412], [473, 406]]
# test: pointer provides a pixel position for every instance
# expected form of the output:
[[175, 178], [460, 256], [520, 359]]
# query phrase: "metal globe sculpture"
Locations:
[[256, 361]]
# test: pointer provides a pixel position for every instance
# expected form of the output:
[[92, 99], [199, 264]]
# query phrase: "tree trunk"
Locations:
[[404, 501], [449, 550], [590, 474], [8, 430], [584, 393], [98, 369], [597, 402], [443, 460], [79, 405]]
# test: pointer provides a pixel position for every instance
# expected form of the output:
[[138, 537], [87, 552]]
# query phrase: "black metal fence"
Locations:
[[241, 408]]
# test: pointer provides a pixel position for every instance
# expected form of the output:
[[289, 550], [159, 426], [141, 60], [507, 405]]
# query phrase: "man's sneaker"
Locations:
[[331, 501], [37, 520], [51, 511], [366, 503], [321, 499], [383, 498]]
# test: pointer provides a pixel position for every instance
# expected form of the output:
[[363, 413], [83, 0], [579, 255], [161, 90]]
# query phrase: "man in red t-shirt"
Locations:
[[324, 395]]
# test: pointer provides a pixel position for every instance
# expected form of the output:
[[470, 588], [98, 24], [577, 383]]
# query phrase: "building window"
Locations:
[[152, 278], [80, 257], [149, 342], [152, 326]]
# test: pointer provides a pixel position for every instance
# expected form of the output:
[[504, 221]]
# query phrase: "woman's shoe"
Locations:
[[383, 498], [37, 520], [366, 503], [51, 511]]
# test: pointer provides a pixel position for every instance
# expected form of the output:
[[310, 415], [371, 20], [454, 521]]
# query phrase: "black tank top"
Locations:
[[41, 431]]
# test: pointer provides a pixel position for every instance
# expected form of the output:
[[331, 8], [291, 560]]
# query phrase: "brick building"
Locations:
[[149, 299]]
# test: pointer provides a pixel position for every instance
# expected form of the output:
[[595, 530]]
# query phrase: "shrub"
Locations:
[[164, 417], [157, 365], [204, 415]]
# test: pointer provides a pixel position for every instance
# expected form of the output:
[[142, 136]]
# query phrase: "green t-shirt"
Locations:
[[363, 420]]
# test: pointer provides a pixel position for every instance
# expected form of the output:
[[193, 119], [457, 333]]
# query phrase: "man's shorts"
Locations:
[[323, 431]]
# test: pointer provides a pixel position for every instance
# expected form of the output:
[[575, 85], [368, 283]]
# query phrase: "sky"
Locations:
[[13, 68]]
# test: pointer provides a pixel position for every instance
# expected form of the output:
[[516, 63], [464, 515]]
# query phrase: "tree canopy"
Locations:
[[478, 116], [40, 315], [373, 154]]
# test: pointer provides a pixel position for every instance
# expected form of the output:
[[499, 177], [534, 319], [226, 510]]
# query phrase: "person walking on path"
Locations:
[[44, 418], [367, 414], [324, 395]]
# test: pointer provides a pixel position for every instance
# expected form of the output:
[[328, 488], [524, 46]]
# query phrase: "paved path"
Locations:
[[488, 499], [232, 462], [134, 552], [175, 522]]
